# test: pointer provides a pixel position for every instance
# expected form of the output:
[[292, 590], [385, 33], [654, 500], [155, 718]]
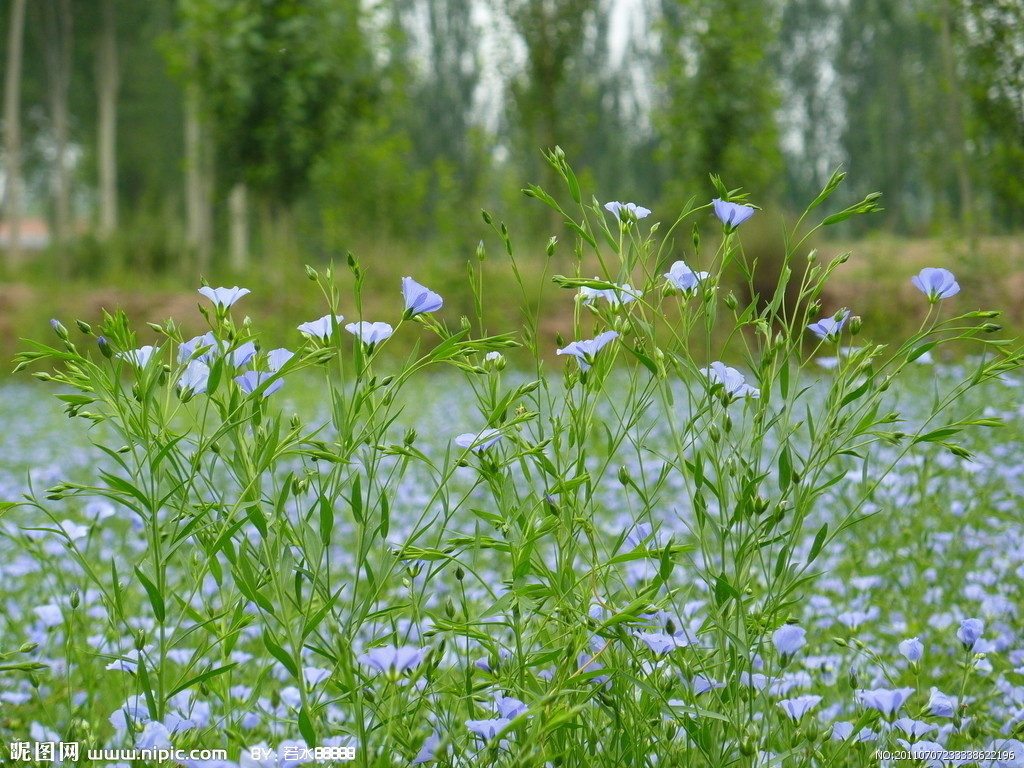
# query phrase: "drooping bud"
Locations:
[[59, 329], [105, 349], [624, 477]]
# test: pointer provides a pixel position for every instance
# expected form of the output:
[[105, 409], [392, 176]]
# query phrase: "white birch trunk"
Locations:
[[12, 129], [238, 207], [108, 82], [198, 217]]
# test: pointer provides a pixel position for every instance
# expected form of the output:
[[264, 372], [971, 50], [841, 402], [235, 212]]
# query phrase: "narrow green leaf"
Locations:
[[782, 561], [225, 537], [936, 435], [216, 374], [920, 350], [314, 619], [155, 598], [724, 591], [116, 586], [647, 362], [202, 678], [856, 393], [385, 518], [326, 527], [587, 237], [279, 653], [785, 469], [256, 517], [306, 727], [819, 541], [356, 499], [574, 185]]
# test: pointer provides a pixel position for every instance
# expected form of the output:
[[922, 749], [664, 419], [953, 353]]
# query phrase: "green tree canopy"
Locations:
[[280, 80]]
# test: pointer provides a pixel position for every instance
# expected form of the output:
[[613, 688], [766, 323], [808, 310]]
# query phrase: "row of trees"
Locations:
[[323, 119]]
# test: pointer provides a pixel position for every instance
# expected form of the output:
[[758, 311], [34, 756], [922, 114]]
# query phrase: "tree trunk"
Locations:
[[108, 82], [58, 29], [12, 130], [281, 256], [238, 206], [955, 117], [198, 219]]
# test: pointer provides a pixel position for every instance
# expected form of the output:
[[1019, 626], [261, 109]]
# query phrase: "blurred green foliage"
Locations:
[[384, 128]]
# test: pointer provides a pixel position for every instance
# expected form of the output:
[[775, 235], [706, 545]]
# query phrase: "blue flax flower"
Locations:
[[702, 684], [731, 214], [617, 296], [370, 333], [884, 700], [393, 660], [756, 680], [243, 354], [829, 328], [661, 642], [788, 639], [509, 708], [250, 381], [139, 357], [585, 350], [321, 329], [428, 752], [194, 379], [912, 649], [223, 297], [797, 707], [210, 347], [936, 283], [970, 632], [276, 358], [627, 211], [488, 729], [419, 298], [480, 441], [941, 705], [684, 279], [841, 730], [188, 349], [915, 729], [732, 381]]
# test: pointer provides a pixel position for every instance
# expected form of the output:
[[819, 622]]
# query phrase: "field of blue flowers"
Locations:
[[629, 552]]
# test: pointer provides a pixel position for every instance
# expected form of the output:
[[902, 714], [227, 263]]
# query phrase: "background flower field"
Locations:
[[942, 546]]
